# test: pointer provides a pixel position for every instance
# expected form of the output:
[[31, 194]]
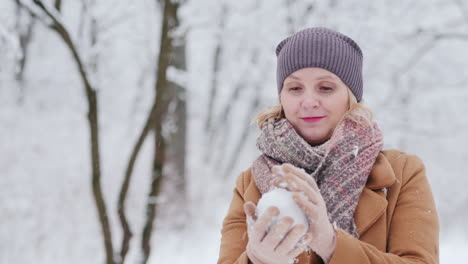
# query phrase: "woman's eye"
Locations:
[[326, 88], [293, 89]]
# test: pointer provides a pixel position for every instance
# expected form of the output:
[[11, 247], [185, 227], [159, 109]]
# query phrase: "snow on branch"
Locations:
[[36, 12], [45, 12], [50, 11]]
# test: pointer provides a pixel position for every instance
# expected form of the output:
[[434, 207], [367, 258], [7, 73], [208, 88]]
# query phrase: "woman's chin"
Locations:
[[315, 140]]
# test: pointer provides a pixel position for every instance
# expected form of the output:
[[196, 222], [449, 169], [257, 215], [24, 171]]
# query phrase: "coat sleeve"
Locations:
[[234, 231], [413, 235]]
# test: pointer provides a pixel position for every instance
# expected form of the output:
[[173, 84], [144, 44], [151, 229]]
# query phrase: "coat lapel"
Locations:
[[373, 202]]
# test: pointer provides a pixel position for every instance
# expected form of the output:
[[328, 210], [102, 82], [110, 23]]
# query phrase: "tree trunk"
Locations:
[[162, 137], [174, 185]]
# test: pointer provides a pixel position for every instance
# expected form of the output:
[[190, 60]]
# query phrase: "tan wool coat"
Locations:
[[396, 218]]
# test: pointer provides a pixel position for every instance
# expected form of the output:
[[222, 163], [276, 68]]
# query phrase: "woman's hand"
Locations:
[[277, 244], [308, 198]]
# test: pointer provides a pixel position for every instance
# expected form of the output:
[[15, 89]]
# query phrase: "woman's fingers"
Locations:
[[287, 183], [262, 223], [249, 209], [310, 209], [307, 206], [294, 184], [291, 239], [301, 174], [278, 232], [301, 245], [278, 170], [287, 168]]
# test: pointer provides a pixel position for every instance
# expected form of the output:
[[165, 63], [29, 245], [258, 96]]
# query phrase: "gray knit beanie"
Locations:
[[323, 48]]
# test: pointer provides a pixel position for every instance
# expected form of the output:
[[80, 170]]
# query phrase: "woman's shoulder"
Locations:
[[400, 158], [245, 177], [245, 185], [405, 165]]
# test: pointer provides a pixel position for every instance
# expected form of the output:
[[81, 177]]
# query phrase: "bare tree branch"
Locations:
[[216, 67], [253, 107], [225, 115], [61, 30], [429, 45], [127, 233], [35, 13], [58, 5], [418, 55], [25, 32], [415, 57]]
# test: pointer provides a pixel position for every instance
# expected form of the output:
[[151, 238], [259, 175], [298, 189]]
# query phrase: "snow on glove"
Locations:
[[308, 198], [278, 244]]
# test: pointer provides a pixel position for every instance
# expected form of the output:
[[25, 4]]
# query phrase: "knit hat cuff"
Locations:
[[323, 48]]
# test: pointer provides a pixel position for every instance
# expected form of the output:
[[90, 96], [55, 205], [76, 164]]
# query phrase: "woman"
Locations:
[[363, 205]]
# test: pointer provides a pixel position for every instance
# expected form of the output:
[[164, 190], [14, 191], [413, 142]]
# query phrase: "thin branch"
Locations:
[[33, 12], [216, 68], [225, 114], [127, 233], [224, 117], [58, 5], [62, 31], [419, 54], [245, 134], [51, 12], [25, 36]]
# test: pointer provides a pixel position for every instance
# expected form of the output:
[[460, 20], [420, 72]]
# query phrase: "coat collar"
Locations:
[[381, 175], [373, 204]]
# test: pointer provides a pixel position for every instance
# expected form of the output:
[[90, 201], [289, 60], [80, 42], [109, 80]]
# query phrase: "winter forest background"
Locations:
[[104, 101]]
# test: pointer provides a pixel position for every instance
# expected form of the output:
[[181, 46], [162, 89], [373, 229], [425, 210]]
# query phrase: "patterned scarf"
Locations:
[[340, 166]]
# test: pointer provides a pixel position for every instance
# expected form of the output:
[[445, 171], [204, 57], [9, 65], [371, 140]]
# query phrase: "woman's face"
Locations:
[[314, 100]]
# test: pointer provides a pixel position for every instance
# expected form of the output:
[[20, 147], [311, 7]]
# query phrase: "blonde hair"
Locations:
[[357, 112]]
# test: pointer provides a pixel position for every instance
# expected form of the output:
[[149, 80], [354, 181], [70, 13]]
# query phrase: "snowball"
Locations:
[[282, 199]]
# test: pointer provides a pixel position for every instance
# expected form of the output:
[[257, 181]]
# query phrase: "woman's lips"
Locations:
[[312, 119]]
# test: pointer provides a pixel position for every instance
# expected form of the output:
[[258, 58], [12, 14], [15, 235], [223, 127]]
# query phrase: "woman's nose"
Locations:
[[310, 101]]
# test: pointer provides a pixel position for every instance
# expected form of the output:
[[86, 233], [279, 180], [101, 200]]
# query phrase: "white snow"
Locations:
[[355, 151], [46, 204], [284, 201]]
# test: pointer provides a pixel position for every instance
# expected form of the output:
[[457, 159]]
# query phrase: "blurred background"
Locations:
[[123, 124]]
